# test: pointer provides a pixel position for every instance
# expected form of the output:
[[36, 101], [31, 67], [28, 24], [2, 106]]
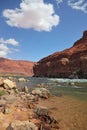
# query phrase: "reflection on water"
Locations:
[[72, 87]]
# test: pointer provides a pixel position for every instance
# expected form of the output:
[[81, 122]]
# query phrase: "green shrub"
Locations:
[[2, 92], [79, 73]]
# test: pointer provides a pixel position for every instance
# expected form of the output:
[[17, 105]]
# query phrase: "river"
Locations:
[[71, 87]]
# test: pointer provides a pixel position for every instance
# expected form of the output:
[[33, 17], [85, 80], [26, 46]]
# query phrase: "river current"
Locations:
[[70, 87]]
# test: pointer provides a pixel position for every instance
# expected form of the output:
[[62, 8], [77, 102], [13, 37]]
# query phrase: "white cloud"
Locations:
[[78, 5], [4, 48], [32, 14], [12, 42]]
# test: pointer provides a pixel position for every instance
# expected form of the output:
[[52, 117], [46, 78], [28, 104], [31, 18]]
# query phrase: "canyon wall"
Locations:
[[16, 67], [70, 63]]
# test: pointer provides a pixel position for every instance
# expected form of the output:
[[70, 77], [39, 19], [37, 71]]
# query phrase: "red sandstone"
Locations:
[[16, 67], [65, 63]]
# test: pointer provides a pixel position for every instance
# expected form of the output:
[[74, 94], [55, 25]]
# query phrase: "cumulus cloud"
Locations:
[[10, 41], [4, 46], [32, 14], [4, 50], [78, 5]]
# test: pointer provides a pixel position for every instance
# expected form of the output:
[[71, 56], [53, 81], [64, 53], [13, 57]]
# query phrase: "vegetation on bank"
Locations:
[[2, 92]]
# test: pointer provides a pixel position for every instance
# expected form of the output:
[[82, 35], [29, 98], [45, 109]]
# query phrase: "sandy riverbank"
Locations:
[[41, 108], [71, 113]]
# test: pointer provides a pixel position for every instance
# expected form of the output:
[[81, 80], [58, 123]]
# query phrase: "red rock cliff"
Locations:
[[72, 61], [16, 67]]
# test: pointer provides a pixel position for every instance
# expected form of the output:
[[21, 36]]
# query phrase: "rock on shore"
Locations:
[[20, 110]]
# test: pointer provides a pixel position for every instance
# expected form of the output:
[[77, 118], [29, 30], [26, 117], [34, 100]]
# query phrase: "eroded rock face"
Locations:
[[65, 63], [85, 35], [16, 67]]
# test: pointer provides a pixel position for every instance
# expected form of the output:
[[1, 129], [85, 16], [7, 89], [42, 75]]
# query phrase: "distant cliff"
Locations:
[[71, 62], [16, 67]]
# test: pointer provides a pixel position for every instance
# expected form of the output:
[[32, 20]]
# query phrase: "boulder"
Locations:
[[43, 114], [31, 105], [41, 111], [1, 81], [71, 83], [22, 80], [32, 98], [2, 105], [2, 109], [9, 98], [41, 92], [25, 89], [7, 110], [8, 84], [13, 91], [2, 102], [10, 78], [22, 125]]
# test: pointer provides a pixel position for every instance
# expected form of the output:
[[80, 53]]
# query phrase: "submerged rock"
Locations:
[[44, 115], [71, 83], [41, 111], [10, 78], [22, 80]]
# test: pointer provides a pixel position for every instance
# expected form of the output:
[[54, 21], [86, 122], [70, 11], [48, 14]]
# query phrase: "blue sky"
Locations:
[[34, 29]]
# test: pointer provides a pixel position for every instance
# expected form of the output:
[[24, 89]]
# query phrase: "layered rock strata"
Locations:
[[71, 62], [16, 67]]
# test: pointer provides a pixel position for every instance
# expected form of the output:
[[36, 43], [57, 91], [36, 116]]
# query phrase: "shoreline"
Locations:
[[70, 112], [40, 107]]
